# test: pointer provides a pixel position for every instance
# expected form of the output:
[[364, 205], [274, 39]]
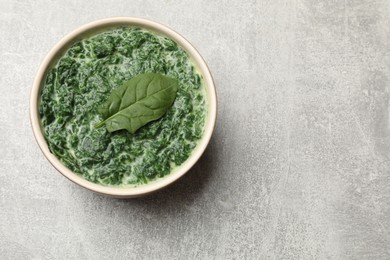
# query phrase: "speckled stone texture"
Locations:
[[298, 167]]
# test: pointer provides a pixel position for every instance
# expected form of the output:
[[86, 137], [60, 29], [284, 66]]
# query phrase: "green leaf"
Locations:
[[140, 100]]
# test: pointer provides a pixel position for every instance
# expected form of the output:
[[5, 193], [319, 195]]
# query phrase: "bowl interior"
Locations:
[[93, 28]]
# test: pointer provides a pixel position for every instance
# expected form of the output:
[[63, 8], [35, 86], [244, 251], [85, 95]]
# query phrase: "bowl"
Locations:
[[96, 26]]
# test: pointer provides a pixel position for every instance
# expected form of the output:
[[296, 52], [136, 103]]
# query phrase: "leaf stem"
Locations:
[[100, 124]]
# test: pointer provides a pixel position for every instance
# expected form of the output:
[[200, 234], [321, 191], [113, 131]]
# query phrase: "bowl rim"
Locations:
[[124, 192]]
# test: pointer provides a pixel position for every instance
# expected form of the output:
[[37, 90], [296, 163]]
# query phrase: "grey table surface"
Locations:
[[298, 167]]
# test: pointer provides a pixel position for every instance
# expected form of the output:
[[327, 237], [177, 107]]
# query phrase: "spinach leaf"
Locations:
[[140, 100]]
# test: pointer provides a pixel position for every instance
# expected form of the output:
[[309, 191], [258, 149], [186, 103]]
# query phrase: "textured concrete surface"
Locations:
[[298, 168]]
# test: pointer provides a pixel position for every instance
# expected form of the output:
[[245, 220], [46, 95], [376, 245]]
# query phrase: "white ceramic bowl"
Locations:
[[88, 29]]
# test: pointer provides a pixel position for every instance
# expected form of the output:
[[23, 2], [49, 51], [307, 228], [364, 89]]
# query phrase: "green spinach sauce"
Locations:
[[84, 77]]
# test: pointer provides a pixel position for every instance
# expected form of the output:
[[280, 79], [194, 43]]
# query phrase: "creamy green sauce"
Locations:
[[84, 77]]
